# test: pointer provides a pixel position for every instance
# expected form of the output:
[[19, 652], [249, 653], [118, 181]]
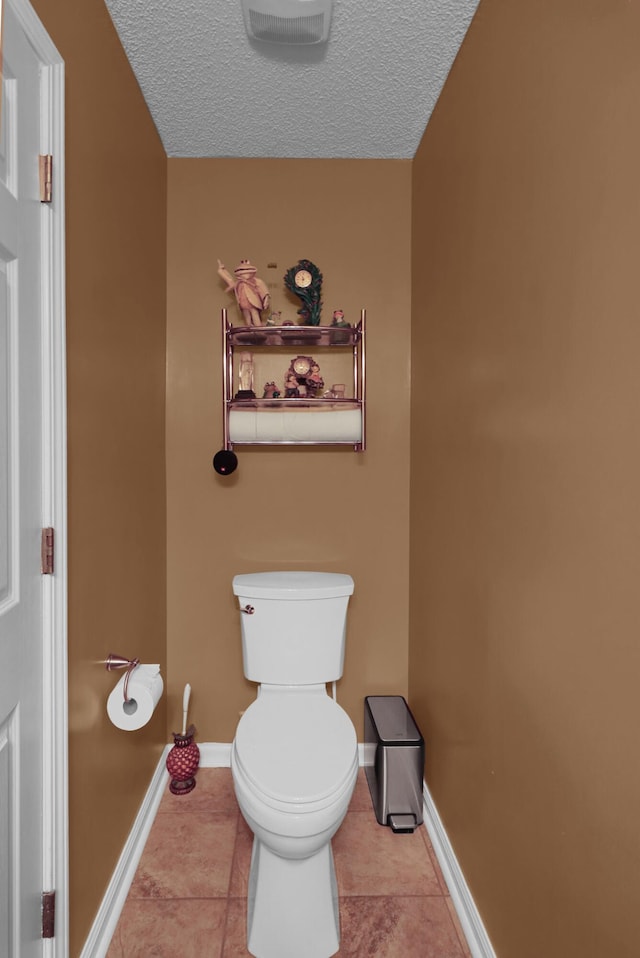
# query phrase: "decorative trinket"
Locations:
[[251, 293], [305, 281], [291, 390], [303, 378], [245, 375], [339, 320], [271, 391]]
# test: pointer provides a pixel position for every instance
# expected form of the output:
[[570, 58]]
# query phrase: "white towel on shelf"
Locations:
[[295, 425]]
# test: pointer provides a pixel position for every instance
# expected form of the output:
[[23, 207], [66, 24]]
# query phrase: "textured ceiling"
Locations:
[[367, 93]]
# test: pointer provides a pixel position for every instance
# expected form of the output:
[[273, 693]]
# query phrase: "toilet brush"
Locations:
[[184, 757], [185, 707]]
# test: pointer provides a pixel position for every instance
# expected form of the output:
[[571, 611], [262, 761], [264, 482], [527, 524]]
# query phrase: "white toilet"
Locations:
[[294, 759]]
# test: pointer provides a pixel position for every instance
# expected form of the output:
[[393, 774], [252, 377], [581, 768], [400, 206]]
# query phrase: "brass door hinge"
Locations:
[[47, 551], [48, 914], [46, 177]]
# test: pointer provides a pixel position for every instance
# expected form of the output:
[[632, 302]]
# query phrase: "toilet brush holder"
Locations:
[[182, 762]]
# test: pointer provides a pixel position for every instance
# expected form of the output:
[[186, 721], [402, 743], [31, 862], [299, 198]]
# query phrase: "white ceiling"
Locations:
[[367, 93]]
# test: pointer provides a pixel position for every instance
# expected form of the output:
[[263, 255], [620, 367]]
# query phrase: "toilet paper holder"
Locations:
[[113, 662]]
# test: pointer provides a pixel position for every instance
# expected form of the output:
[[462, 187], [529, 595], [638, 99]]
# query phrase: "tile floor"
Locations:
[[188, 896]]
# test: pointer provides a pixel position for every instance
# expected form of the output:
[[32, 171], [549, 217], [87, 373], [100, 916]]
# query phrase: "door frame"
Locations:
[[55, 831]]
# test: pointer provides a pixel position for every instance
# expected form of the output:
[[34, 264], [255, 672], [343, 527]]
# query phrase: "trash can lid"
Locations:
[[393, 720]]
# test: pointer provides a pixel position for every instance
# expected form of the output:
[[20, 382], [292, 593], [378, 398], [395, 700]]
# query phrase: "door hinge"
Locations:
[[46, 177], [47, 550], [48, 914]]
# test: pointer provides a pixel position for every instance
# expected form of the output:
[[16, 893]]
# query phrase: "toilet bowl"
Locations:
[[294, 762], [294, 759]]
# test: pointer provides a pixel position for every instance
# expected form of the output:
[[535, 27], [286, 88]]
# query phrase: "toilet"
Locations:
[[294, 758]]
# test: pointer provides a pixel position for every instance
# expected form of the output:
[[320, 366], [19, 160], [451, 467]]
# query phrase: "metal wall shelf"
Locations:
[[326, 421]]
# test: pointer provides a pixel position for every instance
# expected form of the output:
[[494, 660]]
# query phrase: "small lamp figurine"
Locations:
[[184, 758], [251, 293], [245, 376]]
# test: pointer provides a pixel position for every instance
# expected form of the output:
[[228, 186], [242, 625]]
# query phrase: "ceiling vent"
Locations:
[[288, 21]]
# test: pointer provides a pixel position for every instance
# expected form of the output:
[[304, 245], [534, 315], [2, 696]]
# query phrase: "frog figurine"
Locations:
[[251, 293], [271, 391]]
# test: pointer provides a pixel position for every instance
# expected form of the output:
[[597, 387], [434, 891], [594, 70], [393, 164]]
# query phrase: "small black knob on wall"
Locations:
[[225, 462]]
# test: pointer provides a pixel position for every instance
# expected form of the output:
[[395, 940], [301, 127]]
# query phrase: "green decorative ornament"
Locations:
[[305, 281]]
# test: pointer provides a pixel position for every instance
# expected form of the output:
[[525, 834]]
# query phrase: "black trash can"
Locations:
[[394, 761]]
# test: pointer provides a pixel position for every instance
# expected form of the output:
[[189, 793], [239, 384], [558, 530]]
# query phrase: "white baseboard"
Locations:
[[215, 754], [468, 915], [218, 755], [104, 925]]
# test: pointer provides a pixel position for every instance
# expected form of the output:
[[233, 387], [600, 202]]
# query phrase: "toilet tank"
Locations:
[[293, 625]]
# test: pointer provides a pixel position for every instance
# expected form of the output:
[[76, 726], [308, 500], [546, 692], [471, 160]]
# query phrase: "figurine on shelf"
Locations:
[[251, 293], [338, 323], [245, 376], [274, 318], [304, 280], [339, 320], [315, 382], [291, 390], [336, 392], [271, 391]]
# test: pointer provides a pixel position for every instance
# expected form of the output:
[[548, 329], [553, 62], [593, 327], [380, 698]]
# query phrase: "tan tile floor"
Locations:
[[188, 896]]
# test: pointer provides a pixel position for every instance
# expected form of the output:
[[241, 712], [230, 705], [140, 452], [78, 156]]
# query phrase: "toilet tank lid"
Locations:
[[293, 585]]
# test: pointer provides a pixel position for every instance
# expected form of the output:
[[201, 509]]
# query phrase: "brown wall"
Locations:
[[116, 258], [285, 508], [524, 472], [525, 505]]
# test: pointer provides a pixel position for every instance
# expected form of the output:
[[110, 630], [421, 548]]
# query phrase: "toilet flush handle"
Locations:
[[248, 609]]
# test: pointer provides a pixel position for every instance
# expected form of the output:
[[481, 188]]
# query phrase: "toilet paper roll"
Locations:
[[144, 691]]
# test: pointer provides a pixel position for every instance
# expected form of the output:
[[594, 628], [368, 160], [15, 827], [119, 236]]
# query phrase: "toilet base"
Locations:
[[292, 905]]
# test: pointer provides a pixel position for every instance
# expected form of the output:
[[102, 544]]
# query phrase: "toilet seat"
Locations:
[[298, 749]]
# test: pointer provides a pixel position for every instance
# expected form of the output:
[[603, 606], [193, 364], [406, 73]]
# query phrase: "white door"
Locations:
[[25, 496]]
